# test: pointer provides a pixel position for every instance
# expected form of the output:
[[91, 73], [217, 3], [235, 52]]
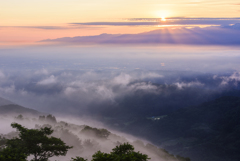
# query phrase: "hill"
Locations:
[[9, 108], [208, 132], [5, 102], [13, 109], [88, 140]]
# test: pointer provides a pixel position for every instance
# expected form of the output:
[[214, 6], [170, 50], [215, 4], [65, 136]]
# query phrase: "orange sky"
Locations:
[[29, 12], [59, 13]]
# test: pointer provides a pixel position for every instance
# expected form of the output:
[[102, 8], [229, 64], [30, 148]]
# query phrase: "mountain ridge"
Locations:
[[9, 108], [4, 101]]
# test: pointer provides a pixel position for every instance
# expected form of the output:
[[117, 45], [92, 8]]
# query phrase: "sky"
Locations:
[[27, 12], [28, 22]]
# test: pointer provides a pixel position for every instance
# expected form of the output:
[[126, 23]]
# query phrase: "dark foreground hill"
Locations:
[[208, 132]]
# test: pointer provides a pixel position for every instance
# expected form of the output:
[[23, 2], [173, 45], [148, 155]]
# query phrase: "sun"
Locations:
[[163, 14], [163, 18]]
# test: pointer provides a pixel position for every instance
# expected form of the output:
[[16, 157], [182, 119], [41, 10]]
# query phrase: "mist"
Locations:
[[84, 136], [112, 87]]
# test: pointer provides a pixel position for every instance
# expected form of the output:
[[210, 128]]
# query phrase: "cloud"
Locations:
[[2, 75], [39, 27], [45, 27], [235, 26], [64, 27], [170, 21], [42, 71], [232, 79], [182, 85], [113, 92], [181, 35], [50, 80], [122, 79], [98, 92], [151, 75]]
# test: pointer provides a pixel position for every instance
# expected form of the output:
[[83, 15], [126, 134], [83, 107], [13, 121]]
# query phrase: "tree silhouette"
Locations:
[[36, 142], [123, 152]]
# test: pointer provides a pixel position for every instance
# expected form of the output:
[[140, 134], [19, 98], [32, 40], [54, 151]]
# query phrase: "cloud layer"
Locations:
[[169, 21], [113, 93]]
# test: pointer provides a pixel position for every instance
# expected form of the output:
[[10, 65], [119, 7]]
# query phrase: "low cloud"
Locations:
[[235, 26], [92, 92], [42, 71], [47, 81], [2, 75], [232, 79], [181, 85]]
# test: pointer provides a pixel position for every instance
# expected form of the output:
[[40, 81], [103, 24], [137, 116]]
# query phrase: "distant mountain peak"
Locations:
[[9, 108], [4, 102]]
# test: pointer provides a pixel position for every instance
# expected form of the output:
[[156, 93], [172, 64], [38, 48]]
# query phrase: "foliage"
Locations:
[[48, 118], [100, 133], [78, 159], [2, 141], [51, 118], [19, 117], [123, 152], [180, 158], [35, 142], [90, 144], [41, 118], [13, 152]]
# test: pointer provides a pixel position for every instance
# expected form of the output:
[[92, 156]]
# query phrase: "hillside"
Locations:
[[5, 102], [208, 132], [88, 140], [13, 109], [9, 108]]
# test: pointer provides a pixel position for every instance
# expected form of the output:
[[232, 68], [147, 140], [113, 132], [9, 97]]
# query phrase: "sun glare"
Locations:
[[163, 14]]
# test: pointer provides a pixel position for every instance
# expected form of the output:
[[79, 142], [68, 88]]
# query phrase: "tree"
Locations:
[[13, 152], [78, 159], [3, 141], [19, 117], [123, 152], [37, 142], [51, 119], [100, 133]]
